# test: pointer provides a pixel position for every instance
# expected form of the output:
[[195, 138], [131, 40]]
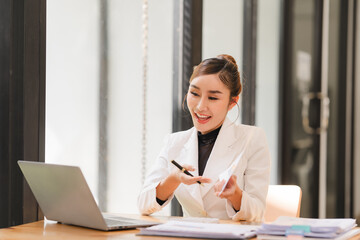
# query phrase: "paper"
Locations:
[[344, 236], [198, 219], [226, 175], [201, 230], [319, 228]]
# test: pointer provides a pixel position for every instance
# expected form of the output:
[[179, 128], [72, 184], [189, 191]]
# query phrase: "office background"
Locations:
[[72, 85]]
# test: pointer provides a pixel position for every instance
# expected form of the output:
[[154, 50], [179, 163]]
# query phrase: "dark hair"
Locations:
[[226, 68]]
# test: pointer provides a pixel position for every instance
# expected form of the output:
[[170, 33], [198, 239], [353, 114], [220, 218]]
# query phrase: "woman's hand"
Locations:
[[186, 179], [232, 192], [168, 185]]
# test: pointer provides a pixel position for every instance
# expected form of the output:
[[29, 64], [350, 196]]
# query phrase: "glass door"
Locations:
[[315, 97], [303, 82]]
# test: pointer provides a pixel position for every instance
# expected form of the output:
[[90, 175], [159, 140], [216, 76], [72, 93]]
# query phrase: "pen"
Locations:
[[183, 170]]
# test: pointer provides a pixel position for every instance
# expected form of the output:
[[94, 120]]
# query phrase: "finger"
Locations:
[[188, 167], [220, 195], [232, 179], [198, 178], [219, 184], [217, 188], [226, 194], [201, 179], [231, 182], [205, 180], [189, 180]]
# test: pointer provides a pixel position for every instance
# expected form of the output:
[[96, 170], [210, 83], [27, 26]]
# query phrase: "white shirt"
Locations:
[[252, 173]]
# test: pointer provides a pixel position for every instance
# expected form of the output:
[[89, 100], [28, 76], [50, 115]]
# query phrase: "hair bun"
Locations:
[[227, 58]]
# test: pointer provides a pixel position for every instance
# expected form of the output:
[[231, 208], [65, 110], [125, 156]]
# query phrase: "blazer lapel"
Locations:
[[221, 155], [189, 155]]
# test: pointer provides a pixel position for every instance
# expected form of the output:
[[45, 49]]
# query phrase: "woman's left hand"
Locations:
[[229, 189], [232, 192]]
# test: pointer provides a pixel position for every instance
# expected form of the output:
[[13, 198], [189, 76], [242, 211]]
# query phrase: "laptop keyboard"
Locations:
[[117, 222]]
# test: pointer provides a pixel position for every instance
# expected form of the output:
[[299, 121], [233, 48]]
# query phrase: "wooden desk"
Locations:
[[52, 230]]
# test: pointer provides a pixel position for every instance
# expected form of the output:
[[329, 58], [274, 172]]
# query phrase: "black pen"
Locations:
[[183, 170]]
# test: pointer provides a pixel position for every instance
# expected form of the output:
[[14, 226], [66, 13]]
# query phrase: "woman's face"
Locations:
[[208, 100]]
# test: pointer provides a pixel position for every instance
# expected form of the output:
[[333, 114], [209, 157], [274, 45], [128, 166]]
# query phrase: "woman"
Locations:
[[208, 149]]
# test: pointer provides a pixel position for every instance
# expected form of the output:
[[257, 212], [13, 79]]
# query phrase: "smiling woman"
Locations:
[[208, 149], [214, 90]]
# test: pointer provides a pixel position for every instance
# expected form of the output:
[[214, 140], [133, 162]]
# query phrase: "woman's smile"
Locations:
[[201, 118]]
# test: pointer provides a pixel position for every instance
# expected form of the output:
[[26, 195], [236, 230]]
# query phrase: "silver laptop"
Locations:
[[64, 196]]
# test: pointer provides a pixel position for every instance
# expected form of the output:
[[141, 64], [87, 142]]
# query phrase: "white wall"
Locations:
[[267, 76], [73, 91], [125, 95], [72, 74]]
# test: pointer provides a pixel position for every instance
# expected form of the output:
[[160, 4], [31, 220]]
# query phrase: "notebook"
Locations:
[[64, 196]]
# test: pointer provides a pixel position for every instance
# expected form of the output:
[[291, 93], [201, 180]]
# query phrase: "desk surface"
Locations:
[[52, 230]]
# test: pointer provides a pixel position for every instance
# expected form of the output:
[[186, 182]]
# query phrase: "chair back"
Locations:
[[282, 200]]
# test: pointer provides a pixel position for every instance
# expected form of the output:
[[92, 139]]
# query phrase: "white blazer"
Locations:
[[200, 201]]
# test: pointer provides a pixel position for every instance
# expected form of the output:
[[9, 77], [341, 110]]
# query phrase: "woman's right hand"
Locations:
[[168, 185], [186, 179]]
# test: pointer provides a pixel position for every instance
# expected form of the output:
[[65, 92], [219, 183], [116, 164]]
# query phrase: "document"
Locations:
[[201, 230], [226, 175], [308, 227], [344, 236]]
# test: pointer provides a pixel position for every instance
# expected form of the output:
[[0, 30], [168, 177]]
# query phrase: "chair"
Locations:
[[282, 200]]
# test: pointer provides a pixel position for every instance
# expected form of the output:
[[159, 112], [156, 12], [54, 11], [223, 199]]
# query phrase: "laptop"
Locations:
[[64, 196]]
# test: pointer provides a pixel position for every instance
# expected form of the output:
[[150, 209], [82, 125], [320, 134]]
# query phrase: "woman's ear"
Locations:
[[233, 102]]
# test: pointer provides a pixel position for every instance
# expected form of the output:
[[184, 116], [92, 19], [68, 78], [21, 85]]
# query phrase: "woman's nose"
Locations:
[[202, 104]]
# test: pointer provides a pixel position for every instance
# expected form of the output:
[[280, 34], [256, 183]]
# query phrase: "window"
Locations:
[[73, 78]]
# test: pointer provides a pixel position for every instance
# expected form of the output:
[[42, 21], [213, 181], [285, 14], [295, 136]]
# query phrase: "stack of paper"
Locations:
[[309, 228], [201, 230]]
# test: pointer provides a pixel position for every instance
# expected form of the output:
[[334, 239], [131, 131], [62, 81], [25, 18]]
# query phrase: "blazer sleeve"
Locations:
[[256, 180], [147, 203]]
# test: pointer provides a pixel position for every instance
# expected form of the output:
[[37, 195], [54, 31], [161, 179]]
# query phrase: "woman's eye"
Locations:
[[195, 94], [213, 98]]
